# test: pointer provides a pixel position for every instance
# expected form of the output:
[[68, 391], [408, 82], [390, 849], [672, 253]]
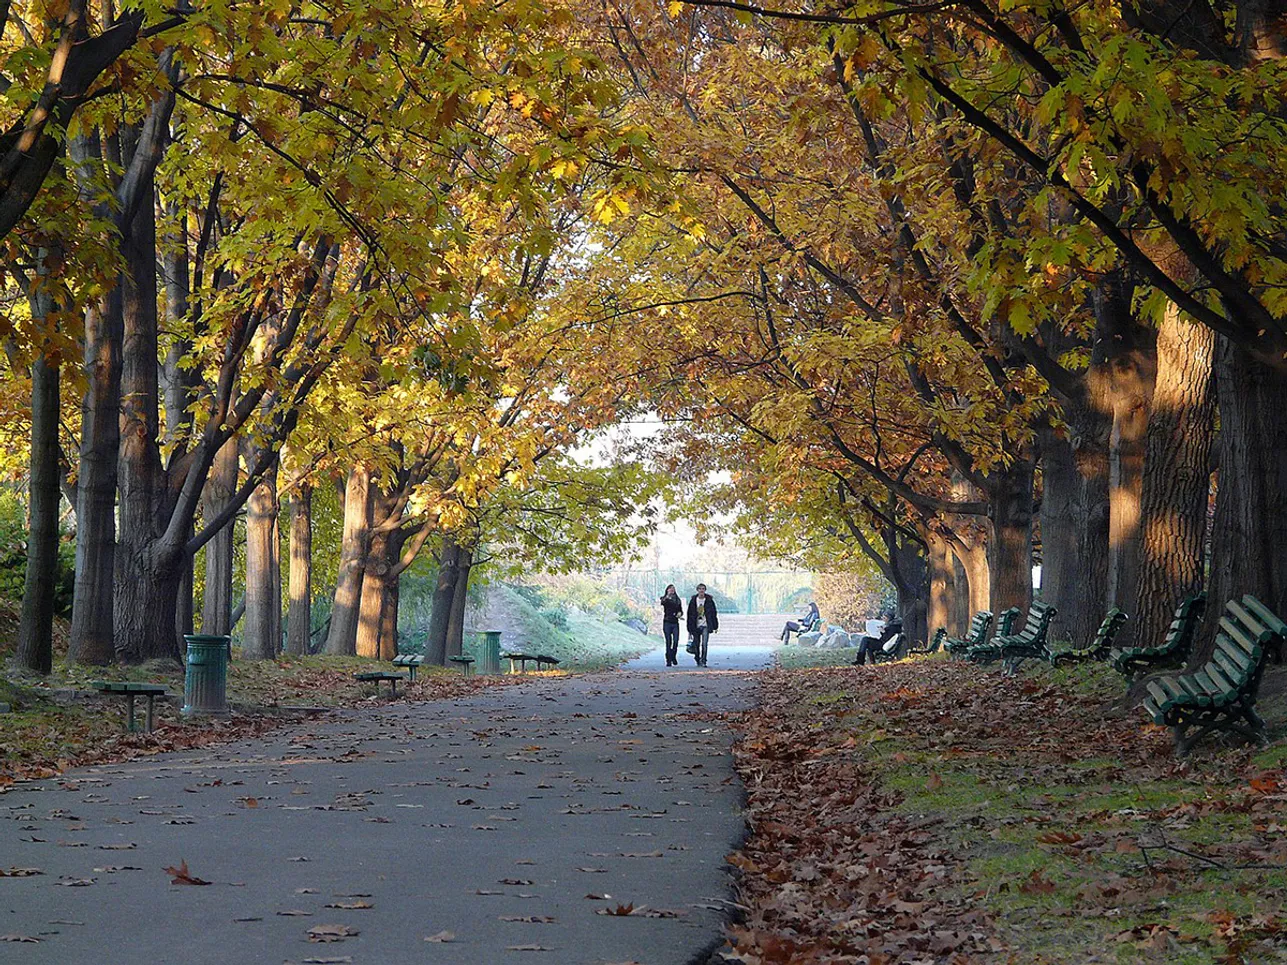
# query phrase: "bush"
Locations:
[[556, 617], [13, 557]]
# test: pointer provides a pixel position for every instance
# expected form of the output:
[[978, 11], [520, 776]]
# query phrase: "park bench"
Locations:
[[1175, 648], [976, 635], [1099, 646], [466, 663], [1221, 696], [1014, 648], [936, 642], [888, 650], [375, 676], [411, 661], [540, 659], [129, 690]]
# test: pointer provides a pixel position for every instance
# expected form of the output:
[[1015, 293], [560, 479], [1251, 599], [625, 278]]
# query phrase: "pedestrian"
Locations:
[[672, 608], [703, 620], [880, 634], [808, 620]]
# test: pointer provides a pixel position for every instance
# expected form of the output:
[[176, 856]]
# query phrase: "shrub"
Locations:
[[13, 557]]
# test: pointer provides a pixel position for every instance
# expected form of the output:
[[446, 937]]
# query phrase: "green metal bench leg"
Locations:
[[129, 713], [151, 701]]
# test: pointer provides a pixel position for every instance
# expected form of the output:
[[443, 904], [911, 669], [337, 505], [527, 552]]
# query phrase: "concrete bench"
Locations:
[[375, 676], [129, 690]]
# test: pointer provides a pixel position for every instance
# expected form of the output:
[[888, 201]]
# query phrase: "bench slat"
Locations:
[[1240, 635], [1237, 674], [1255, 627], [1234, 652], [1265, 615]]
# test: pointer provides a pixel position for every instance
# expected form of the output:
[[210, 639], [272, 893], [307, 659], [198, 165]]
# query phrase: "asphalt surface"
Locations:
[[510, 820]]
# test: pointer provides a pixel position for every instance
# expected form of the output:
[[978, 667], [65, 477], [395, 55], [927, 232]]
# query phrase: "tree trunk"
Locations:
[[1249, 545], [262, 633], [940, 589], [1177, 477], [907, 565], [300, 620], [459, 602], [1074, 531], [960, 608], [184, 614], [342, 638], [1010, 543], [440, 615], [148, 572], [216, 607], [36, 626], [373, 599], [92, 639], [973, 559], [389, 617]]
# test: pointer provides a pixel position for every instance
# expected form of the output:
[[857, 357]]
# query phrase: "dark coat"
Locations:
[[672, 608], [712, 618]]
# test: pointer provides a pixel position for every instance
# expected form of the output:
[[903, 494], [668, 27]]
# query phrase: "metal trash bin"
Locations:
[[205, 682], [489, 652]]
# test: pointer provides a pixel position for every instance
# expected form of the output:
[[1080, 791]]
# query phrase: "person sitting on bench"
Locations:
[[879, 633], [808, 620]]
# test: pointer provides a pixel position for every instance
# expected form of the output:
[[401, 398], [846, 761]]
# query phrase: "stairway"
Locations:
[[751, 629]]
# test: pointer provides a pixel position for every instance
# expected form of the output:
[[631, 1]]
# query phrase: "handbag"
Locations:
[[692, 646]]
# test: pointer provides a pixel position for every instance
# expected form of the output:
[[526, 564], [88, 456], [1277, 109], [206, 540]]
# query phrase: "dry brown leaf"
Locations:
[[527, 948], [19, 938], [349, 905], [331, 933], [441, 937], [181, 875]]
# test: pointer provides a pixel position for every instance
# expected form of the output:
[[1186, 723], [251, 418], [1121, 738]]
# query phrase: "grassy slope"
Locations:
[[588, 643]]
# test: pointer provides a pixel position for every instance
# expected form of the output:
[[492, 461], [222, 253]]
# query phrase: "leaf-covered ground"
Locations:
[[932, 811], [49, 730]]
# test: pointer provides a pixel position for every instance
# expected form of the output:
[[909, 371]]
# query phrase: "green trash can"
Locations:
[[489, 653], [205, 683]]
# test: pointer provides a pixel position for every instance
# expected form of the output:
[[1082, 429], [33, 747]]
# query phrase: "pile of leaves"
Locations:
[[57, 723], [932, 811]]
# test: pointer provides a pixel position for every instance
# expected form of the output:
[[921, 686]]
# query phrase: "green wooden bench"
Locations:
[[464, 662], [129, 690], [1221, 696], [540, 659], [1014, 648], [1176, 646], [411, 661], [935, 644], [1099, 646], [375, 676], [976, 635]]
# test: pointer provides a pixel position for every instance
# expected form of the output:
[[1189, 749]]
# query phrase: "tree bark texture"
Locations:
[[92, 639], [300, 617], [354, 544], [939, 564], [440, 615], [459, 602], [261, 636], [216, 605], [36, 624], [374, 585], [972, 556], [148, 571], [1177, 477], [1010, 543], [908, 563], [1249, 542], [1074, 531]]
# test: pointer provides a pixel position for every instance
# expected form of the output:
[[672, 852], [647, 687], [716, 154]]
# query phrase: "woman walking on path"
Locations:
[[672, 608], [703, 620]]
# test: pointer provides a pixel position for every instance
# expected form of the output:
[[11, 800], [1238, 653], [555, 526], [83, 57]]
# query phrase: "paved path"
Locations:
[[483, 817]]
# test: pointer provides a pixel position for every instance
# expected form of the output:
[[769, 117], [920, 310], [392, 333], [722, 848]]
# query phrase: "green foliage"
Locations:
[[13, 557]]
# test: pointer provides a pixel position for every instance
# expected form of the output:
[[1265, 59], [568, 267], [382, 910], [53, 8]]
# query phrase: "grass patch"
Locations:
[[796, 657]]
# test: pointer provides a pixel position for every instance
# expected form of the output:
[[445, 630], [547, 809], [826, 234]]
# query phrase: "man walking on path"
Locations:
[[672, 608], [703, 620]]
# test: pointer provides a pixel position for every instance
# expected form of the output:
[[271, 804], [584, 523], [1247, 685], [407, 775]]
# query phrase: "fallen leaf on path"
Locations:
[[442, 937], [20, 872], [75, 882], [181, 875], [514, 881], [295, 913], [529, 919], [113, 868], [621, 910], [603, 897], [117, 847], [349, 905], [19, 938], [527, 948], [331, 933]]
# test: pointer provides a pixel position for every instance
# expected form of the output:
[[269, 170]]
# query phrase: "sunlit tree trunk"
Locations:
[[216, 606], [1177, 477], [459, 603], [300, 616], [354, 545], [261, 636]]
